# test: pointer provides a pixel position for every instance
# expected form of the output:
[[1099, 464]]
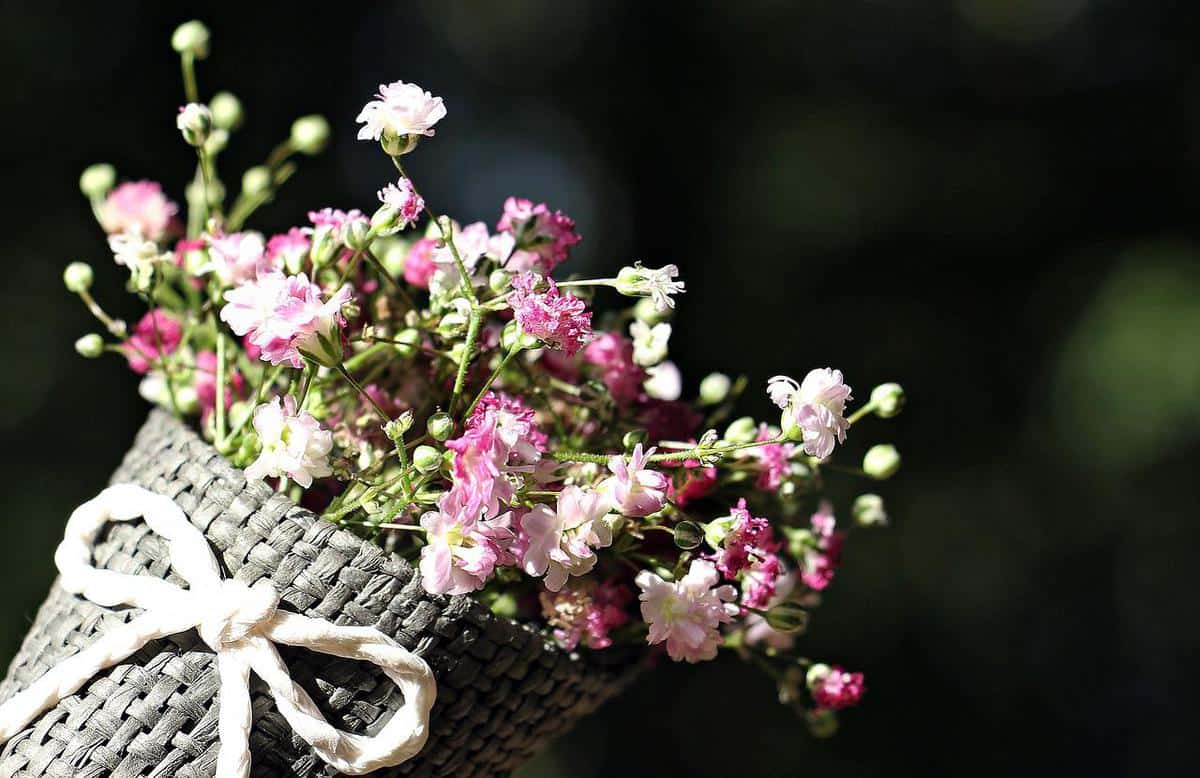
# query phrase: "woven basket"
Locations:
[[503, 689]]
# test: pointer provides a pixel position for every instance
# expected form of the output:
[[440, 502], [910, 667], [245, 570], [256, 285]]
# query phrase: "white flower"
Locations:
[[138, 254], [561, 540], [293, 444], [649, 343], [664, 382], [658, 285], [195, 122], [401, 109], [813, 410], [688, 613]]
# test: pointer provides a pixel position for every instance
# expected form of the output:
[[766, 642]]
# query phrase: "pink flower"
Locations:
[[401, 109], [813, 409], [692, 482], [335, 219], [463, 546], [758, 585], [775, 459], [204, 381], [633, 488], [587, 613], [154, 336], [746, 539], [837, 688], [293, 444], [688, 613], [558, 542], [824, 554], [138, 206], [419, 265], [613, 354], [404, 200], [286, 318], [239, 257], [516, 425], [289, 250], [543, 239], [561, 321]]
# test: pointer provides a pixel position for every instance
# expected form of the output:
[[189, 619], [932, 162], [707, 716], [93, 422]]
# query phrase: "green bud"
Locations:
[[743, 430], [358, 235], [787, 617], [440, 426], [717, 530], [868, 511], [632, 438], [217, 141], [888, 400], [90, 345], [407, 342], [688, 535], [881, 462], [385, 221], [256, 181], [396, 428], [505, 605], [310, 134], [226, 110], [452, 325], [646, 311], [96, 180], [816, 674], [427, 459], [513, 337], [324, 245], [822, 722], [715, 388], [799, 541], [78, 277], [191, 38], [499, 280], [397, 145]]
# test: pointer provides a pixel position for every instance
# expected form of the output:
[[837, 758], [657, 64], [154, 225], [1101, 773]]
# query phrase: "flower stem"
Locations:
[[220, 409], [188, 63], [861, 412], [341, 368], [491, 379], [468, 353]]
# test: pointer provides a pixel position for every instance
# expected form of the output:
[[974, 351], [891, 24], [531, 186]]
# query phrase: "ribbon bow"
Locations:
[[240, 623]]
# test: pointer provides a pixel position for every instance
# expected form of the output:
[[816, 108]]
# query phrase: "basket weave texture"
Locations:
[[503, 689]]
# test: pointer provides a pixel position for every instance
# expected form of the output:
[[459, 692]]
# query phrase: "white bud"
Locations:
[[868, 511], [191, 38], [78, 277], [310, 134], [427, 459], [256, 181], [888, 400], [194, 122], [715, 388], [90, 346], [881, 462], [226, 111], [96, 180], [743, 430]]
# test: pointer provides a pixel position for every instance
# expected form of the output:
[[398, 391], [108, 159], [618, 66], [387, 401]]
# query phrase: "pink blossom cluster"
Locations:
[[140, 207], [586, 614], [561, 321], [749, 539], [613, 354], [156, 334], [687, 614], [836, 688], [543, 237], [286, 318], [821, 559]]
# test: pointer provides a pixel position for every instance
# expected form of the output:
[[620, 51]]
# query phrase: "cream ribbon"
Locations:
[[240, 623]]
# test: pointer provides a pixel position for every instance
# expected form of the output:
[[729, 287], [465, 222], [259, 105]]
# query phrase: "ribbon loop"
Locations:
[[240, 624]]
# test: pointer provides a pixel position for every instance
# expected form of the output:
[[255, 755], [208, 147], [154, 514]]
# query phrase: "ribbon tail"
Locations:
[[69, 676], [235, 716]]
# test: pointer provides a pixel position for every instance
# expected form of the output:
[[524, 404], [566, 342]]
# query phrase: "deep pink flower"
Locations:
[[613, 354], [747, 539], [289, 249], [138, 206], [419, 265], [558, 320], [633, 488], [544, 238], [758, 586], [837, 689], [823, 557], [692, 481], [154, 336], [516, 425]]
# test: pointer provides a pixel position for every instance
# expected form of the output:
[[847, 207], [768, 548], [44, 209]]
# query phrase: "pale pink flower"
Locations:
[[419, 266], [757, 628], [758, 585], [561, 321], [403, 198], [775, 460], [480, 459], [837, 689], [293, 444], [286, 318], [613, 354], [688, 613], [559, 542], [335, 219], [463, 546], [663, 381], [240, 257], [633, 488], [138, 206], [543, 238], [516, 425], [400, 109], [156, 335], [813, 409], [586, 613], [289, 250]]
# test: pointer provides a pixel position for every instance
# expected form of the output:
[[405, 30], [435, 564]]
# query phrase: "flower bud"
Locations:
[[634, 437], [397, 145], [325, 243], [440, 426], [358, 235], [717, 530], [96, 180], [226, 111], [310, 134], [743, 430], [787, 617], [499, 280], [513, 337], [646, 311], [799, 541], [816, 674], [881, 462], [396, 428], [90, 345], [386, 220], [715, 388], [452, 325], [218, 139], [822, 722], [688, 535], [427, 459], [888, 399], [868, 511], [194, 122], [407, 342], [191, 38], [256, 181], [78, 277]]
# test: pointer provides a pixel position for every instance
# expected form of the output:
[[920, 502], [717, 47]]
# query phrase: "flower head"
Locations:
[[286, 318], [739, 539], [833, 688], [558, 542], [688, 613], [293, 443], [419, 266], [154, 336], [813, 409], [472, 243], [133, 251], [657, 284], [402, 203], [138, 206], [633, 488], [820, 559], [649, 342], [464, 546], [240, 256], [586, 613], [399, 110], [543, 238], [515, 425], [288, 250], [561, 321]]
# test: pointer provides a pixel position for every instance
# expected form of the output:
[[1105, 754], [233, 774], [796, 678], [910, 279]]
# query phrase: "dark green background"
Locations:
[[992, 201]]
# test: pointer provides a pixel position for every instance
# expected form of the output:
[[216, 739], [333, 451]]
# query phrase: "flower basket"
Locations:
[[504, 690]]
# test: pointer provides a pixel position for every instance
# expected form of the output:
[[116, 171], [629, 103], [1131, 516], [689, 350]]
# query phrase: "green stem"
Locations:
[[188, 64], [491, 379], [468, 353], [861, 412], [220, 425], [341, 368]]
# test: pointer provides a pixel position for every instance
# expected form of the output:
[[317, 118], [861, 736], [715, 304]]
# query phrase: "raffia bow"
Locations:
[[240, 623]]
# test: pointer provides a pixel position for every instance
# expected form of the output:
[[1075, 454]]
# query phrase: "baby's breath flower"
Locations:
[[194, 122], [78, 277], [657, 284], [191, 38], [881, 462], [96, 180], [293, 444], [226, 110], [90, 345], [649, 343], [400, 115]]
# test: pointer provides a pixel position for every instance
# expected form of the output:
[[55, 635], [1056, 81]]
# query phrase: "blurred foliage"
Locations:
[[991, 201]]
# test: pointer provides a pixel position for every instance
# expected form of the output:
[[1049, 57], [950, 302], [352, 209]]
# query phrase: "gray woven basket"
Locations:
[[503, 689]]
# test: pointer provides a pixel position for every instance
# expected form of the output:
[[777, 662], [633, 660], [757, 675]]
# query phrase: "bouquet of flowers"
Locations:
[[452, 393]]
